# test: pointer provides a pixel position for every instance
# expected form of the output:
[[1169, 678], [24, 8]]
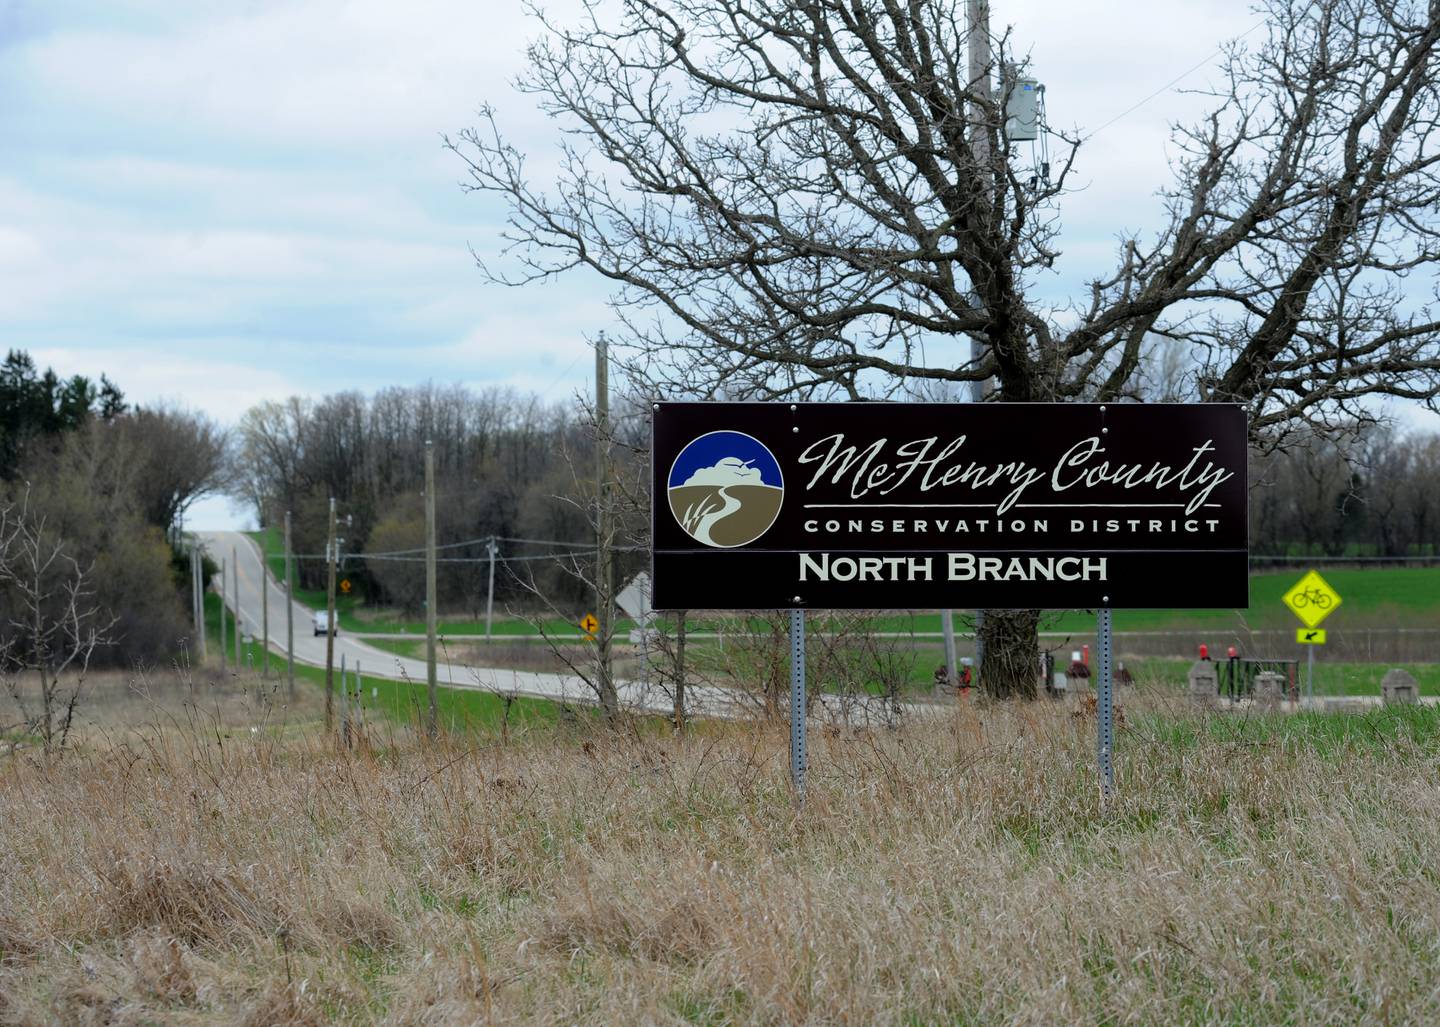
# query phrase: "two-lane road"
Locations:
[[241, 553]]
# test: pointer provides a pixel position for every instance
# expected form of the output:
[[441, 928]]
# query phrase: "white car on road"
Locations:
[[322, 620]]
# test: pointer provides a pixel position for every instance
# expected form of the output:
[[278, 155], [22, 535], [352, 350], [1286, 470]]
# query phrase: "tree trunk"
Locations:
[[1012, 654]]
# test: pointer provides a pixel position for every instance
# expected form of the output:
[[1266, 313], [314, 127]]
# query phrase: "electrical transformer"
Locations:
[[1022, 110]]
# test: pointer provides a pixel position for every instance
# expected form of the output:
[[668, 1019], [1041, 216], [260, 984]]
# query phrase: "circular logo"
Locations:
[[725, 489]]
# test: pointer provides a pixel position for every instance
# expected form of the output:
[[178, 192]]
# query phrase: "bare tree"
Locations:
[[272, 445], [611, 530], [181, 456], [815, 199], [53, 628]]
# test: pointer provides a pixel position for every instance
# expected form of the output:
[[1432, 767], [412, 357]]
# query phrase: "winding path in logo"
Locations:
[[725, 489], [702, 530]]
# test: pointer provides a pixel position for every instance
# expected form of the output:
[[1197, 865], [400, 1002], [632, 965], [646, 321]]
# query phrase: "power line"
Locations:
[[541, 542], [500, 557], [1219, 51], [421, 549], [560, 379], [482, 540]]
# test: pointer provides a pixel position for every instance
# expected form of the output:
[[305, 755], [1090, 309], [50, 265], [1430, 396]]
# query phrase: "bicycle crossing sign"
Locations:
[[1311, 599]]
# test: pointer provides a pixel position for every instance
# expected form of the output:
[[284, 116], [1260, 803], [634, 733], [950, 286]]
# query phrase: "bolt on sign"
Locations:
[[922, 505], [1312, 599]]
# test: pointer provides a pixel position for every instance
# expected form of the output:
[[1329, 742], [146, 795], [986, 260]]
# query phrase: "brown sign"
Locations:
[[922, 505]]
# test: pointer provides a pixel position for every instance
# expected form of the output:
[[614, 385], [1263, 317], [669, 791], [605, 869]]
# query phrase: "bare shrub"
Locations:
[[52, 626]]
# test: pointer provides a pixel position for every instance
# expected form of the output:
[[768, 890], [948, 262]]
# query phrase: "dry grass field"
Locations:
[[119, 707], [959, 871]]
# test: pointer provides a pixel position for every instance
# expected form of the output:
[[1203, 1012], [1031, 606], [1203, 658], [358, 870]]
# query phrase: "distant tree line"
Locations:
[[511, 466], [506, 465], [103, 485], [1375, 493]]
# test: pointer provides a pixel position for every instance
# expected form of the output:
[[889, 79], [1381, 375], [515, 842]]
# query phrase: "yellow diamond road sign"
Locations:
[[1311, 599], [588, 624], [1310, 636]]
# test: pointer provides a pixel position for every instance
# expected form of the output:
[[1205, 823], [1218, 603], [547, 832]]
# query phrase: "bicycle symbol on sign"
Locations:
[[1317, 596]]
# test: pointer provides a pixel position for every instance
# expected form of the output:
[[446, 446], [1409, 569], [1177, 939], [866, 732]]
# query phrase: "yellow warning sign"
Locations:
[[1312, 599], [588, 624], [345, 586], [1310, 636]]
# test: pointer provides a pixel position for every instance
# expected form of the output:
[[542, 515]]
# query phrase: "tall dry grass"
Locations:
[[956, 871], [114, 705]]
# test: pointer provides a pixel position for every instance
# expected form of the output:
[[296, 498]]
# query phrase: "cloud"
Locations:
[[730, 470], [346, 74], [223, 203]]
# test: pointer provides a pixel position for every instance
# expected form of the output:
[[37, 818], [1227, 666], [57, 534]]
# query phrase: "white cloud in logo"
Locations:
[[729, 470]]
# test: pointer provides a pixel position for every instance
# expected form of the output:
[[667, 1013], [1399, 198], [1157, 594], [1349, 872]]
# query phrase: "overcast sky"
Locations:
[[226, 202]]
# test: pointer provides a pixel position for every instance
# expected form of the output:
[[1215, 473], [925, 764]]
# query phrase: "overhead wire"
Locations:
[[482, 540], [1219, 51], [573, 549]]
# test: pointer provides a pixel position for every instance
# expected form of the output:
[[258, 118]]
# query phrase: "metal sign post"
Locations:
[[797, 703], [1312, 599], [1105, 696], [947, 624]]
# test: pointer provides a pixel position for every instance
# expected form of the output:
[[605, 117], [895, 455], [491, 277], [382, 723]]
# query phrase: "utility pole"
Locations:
[[264, 614], [490, 595], [344, 704], [194, 594], [289, 609], [197, 594], [330, 623], [200, 600], [194, 598], [235, 576], [359, 703], [978, 52], [431, 725], [604, 682], [224, 645]]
